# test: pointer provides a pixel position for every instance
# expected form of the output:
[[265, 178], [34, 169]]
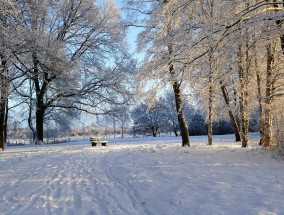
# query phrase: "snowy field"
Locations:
[[149, 176]]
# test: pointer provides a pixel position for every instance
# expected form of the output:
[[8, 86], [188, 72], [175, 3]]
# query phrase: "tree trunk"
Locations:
[[258, 81], [267, 136], [30, 120], [244, 81], [181, 119], [6, 120], [40, 111], [40, 94], [279, 24], [210, 81], [114, 126], [3, 99], [2, 120], [210, 116], [178, 100], [260, 114], [122, 129], [175, 132], [154, 131], [210, 102], [243, 101], [232, 117], [176, 85]]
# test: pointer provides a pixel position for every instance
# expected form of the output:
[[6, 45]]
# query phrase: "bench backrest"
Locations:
[[99, 138]]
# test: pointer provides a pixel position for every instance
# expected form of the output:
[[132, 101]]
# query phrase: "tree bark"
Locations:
[[267, 129], [175, 132], [39, 121], [3, 99], [40, 93], [232, 117], [243, 100], [210, 81], [2, 119], [6, 120], [181, 119], [210, 103], [267, 136], [210, 116], [122, 128], [176, 86], [260, 114], [178, 100], [30, 120], [154, 130]]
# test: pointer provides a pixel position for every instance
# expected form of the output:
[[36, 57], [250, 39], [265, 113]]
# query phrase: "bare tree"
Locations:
[[158, 37], [149, 120], [75, 57], [8, 43]]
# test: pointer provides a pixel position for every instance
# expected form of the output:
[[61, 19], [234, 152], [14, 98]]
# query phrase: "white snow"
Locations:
[[142, 176]]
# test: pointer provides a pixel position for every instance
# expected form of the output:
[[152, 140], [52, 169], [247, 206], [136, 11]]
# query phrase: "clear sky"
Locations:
[[132, 38], [132, 34]]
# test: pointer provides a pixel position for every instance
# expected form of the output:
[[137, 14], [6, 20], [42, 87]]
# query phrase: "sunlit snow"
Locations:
[[142, 176]]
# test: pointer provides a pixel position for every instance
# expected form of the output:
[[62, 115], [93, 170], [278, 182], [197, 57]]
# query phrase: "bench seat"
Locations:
[[98, 140]]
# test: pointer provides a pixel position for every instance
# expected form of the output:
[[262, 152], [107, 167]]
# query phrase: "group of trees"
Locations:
[[229, 53], [161, 118], [59, 58], [158, 118]]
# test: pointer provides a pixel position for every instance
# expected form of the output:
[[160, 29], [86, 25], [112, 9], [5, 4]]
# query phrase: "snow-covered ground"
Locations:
[[147, 176]]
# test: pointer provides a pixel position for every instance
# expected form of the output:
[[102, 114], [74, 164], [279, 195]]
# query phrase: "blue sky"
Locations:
[[132, 34], [131, 38]]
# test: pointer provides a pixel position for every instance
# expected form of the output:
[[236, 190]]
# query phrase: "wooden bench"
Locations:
[[98, 140]]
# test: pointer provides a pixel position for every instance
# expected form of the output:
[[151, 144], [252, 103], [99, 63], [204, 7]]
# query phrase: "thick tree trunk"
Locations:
[[267, 127], [155, 131], [181, 119], [40, 93], [178, 100], [267, 137], [176, 86], [39, 121], [232, 117]]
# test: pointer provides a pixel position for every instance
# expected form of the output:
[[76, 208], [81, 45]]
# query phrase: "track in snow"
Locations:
[[140, 179]]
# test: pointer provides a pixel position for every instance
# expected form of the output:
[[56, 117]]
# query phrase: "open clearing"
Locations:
[[142, 176]]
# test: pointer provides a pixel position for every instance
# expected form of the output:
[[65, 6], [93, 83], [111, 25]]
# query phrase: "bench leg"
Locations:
[[104, 144], [94, 144]]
